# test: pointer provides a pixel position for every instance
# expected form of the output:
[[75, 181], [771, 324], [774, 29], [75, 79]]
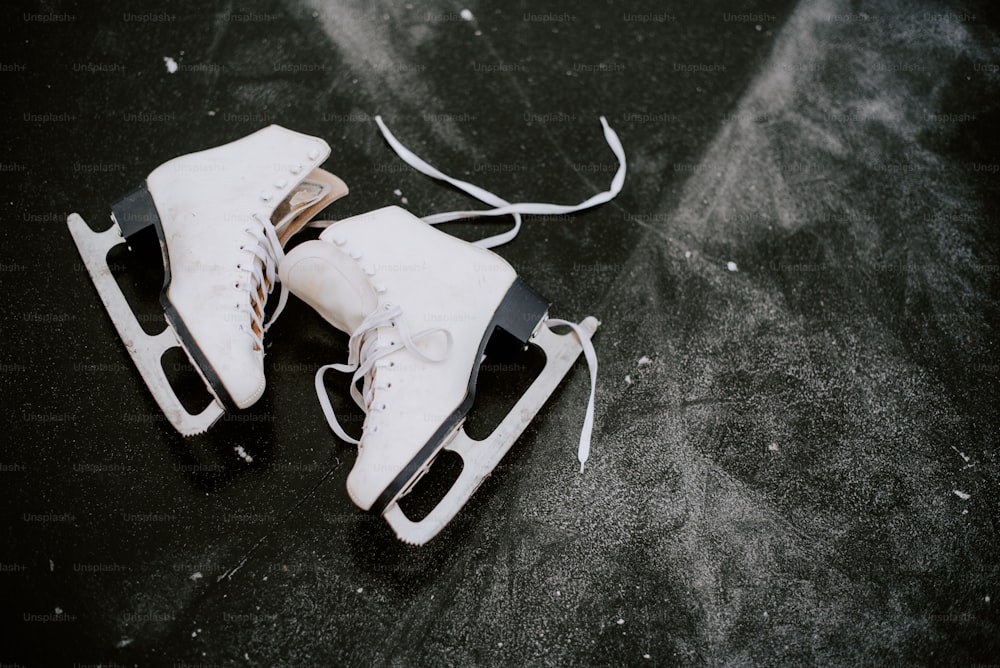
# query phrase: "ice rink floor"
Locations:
[[795, 454]]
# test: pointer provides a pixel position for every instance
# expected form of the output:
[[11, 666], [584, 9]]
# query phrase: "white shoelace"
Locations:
[[365, 356], [583, 450], [504, 208], [262, 271]]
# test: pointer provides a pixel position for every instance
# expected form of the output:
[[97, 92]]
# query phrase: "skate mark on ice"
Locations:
[[229, 573], [366, 46]]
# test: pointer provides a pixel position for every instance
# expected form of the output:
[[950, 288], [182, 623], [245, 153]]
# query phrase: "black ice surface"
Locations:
[[794, 460]]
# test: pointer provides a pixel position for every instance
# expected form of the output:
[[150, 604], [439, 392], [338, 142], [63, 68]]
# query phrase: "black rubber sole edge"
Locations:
[[134, 213]]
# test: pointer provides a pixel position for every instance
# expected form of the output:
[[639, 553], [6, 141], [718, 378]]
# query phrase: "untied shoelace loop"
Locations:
[[366, 350]]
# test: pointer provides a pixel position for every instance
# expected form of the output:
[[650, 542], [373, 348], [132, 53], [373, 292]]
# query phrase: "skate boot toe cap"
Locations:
[[246, 389], [363, 488]]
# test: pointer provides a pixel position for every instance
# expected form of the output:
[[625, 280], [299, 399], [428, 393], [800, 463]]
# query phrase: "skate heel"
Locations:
[[135, 213], [521, 311]]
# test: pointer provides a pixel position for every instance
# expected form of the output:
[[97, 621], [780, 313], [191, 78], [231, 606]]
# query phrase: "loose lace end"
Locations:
[[590, 354]]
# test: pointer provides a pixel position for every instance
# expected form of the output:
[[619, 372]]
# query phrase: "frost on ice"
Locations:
[[962, 495], [965, 457]]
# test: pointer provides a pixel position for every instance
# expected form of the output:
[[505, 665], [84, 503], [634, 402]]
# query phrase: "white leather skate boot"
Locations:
[[222, 217], [420, 307]]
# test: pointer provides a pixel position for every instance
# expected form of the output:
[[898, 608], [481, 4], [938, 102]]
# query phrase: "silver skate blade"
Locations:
[[479, 458], [144, 349]]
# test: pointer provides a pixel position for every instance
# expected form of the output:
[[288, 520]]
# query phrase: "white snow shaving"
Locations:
[[243, 454]]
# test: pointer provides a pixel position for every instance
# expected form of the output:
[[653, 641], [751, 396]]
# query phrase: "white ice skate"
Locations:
[[420, 307], [222, 217], [381, 276]]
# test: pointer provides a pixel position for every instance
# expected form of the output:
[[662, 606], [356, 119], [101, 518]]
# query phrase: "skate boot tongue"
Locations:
[[316, 191], [267, 245]]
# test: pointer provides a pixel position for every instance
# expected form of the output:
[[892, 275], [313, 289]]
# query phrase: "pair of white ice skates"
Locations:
[[222, 218]]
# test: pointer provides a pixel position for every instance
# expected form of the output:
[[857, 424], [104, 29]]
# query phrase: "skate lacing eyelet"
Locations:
[[366, 356], [267, 253]]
